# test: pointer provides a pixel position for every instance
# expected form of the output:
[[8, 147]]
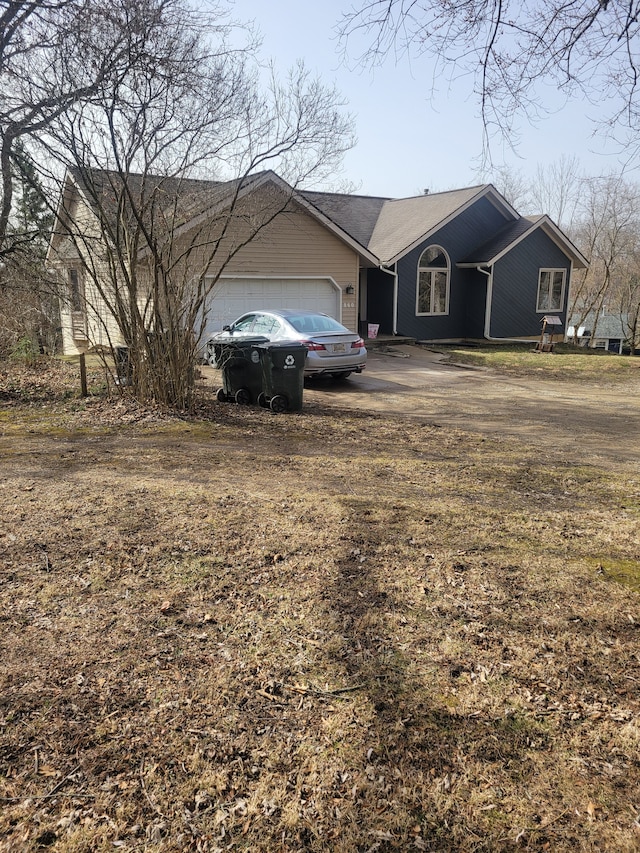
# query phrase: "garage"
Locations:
[[233, 296]]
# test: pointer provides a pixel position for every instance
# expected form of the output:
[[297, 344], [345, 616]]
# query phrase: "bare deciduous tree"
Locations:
[[513, 185], [54, 56], [144, 150], [629, 306], [609, 233], [58, 53], [29, 318], [557, 190]]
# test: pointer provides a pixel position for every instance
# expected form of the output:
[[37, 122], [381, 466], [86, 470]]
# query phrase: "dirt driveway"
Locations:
[[589, 422]]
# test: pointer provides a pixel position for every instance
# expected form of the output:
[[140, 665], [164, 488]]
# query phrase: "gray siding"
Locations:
[[515, 286], [459, 237]]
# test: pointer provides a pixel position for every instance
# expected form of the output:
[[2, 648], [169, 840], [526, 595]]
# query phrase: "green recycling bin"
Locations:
[[240, 361], [282, 375]]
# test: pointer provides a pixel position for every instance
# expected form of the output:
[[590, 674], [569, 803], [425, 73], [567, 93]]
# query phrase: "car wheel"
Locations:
[[278, 404], [243, 397], [221, 397], [340, 376]]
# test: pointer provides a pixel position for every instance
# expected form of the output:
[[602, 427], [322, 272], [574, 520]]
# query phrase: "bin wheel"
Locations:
[[221, 397], [243, 397], [262, 400], [278, 404]]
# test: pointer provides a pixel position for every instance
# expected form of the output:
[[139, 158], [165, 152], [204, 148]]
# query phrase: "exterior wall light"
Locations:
[[349, 289]]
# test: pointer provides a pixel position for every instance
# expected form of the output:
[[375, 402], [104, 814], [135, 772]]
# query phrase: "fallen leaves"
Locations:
[[593, 810], [229, 659]]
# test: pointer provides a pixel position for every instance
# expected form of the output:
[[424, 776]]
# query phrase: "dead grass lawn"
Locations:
[[326, 631], [567, 363]]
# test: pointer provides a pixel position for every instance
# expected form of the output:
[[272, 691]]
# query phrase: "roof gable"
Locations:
[[505, 239], [405, 223], [513, 233]]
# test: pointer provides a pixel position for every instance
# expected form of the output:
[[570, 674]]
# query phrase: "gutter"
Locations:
[[394, 273], [487, 311]]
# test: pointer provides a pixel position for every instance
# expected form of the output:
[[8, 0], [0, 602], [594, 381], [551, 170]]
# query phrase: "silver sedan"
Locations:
[[331, 348]]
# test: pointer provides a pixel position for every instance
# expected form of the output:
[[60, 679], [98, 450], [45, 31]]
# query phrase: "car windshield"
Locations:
[[313, 323]]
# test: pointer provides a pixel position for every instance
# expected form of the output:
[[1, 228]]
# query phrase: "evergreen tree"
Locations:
[[29, 309], [33, 216]]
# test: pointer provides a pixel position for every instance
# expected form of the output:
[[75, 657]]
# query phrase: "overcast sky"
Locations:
[[409, 140]]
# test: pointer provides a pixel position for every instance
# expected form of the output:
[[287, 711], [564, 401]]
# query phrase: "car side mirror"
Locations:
[[226, 328]]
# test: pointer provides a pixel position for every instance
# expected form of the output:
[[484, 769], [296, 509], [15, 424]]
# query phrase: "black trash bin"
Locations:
[[240, 363], [283, 375]]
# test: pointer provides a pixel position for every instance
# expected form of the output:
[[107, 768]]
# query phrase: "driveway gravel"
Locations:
[[587, 421]]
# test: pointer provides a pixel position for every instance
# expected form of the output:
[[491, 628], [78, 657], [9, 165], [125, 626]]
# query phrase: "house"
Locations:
[[457, 265], [273, 248], [447, 266], [600, 330]]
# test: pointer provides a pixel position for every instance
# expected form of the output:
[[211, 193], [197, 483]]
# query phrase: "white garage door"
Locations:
[[232, 297]]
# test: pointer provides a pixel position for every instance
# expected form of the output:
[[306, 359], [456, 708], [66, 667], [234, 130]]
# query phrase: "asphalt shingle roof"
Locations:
[[355, 214], [402, 222], [386, 227], [177, 199], [607, 325]]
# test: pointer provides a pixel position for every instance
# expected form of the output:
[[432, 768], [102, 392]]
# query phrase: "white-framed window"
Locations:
[[432, 291], [551, 290]]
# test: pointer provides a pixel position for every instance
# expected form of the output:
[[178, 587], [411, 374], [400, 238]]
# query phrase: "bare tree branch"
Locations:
[[165, 155], [509, 47]]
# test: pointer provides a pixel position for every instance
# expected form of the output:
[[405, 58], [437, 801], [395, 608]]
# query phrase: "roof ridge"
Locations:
[[346, 195], [77, 171], [474, 187]]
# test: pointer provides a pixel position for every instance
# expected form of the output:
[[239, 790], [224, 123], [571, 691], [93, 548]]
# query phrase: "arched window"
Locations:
[[433, 281]]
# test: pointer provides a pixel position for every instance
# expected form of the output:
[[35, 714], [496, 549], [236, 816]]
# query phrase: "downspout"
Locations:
[[394, 273], [487, 311], [487, 306]]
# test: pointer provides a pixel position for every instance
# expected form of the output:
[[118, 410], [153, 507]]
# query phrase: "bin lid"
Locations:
[[294, 345], [241, 340]]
